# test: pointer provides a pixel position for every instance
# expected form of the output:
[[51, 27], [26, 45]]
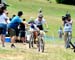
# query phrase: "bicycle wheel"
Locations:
[[31, 41], [42, 45], [38, 44]]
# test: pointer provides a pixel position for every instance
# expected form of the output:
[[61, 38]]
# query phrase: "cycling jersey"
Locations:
[[33, 27], [40, 23], [67, 27]]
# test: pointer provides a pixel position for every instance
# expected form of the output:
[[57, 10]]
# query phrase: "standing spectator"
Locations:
[[3, 24], [60, 32], [4, 3], [13, 27], [22, 32]]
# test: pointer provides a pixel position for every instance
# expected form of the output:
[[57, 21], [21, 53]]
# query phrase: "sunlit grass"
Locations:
[[54, 50]]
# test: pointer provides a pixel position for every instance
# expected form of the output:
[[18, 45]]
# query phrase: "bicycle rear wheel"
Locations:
[[31, 42]]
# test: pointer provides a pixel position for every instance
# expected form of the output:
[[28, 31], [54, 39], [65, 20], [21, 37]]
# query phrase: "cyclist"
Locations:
[[67, 28], [33, 28], [40, 21]]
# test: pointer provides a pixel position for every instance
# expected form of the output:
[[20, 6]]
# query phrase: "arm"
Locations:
[[46, 24], [63, 23], [26, 23], [6, 21], [70, 22], [6, 18]]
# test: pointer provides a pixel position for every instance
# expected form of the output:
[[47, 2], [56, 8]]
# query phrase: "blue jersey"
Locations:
[[32, 26], [14, 22]]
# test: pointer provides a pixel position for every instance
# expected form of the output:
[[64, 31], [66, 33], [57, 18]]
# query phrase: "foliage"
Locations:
[[71, 2]]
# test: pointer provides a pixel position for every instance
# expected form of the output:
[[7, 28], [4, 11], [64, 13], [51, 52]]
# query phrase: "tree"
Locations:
[[71, 2]]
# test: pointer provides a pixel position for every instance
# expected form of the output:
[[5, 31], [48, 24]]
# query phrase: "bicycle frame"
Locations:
[[41, 43], [31, 41], [68, 39]]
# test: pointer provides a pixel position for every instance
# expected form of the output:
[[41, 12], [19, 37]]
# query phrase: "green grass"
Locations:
[[52, 12], [54, 50]]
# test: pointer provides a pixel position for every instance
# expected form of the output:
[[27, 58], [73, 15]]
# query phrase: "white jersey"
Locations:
[[37, 22], [68, 27], [3, 17]]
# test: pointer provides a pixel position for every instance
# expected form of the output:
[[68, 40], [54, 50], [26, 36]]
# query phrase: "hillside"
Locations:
[[52, 12]]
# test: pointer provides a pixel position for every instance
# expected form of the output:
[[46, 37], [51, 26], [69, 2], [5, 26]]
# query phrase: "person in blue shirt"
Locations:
[[13, 27]]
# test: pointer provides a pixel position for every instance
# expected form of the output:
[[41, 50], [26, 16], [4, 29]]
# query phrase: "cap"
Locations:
[[68, 15]]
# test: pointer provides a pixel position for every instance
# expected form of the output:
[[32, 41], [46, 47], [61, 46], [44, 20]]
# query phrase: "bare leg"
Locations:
[[23, 39], [13, 38], [2, 37], [3, 40], [65, 38], [35, 37]]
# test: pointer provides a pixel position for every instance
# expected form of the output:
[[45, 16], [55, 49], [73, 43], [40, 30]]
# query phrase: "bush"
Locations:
[[71, 2]]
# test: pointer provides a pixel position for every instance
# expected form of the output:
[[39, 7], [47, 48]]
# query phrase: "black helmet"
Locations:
[[68, 15], [31, 20]]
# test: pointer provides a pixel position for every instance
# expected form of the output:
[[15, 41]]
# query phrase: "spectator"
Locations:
[[22, 32], [3, 24], [13, 27], [60, 31]]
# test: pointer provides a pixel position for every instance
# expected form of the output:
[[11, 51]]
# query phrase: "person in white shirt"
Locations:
[[3, 25], [40, 21]]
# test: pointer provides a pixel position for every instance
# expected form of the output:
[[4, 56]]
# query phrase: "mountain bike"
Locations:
[[41, 42]]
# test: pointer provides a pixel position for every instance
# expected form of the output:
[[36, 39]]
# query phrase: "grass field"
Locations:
[[52, 12], [54, 49]]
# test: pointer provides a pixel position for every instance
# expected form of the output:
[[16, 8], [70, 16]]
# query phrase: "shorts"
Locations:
[[17, 31], [22, 33], [3, 28], [12, 32]]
